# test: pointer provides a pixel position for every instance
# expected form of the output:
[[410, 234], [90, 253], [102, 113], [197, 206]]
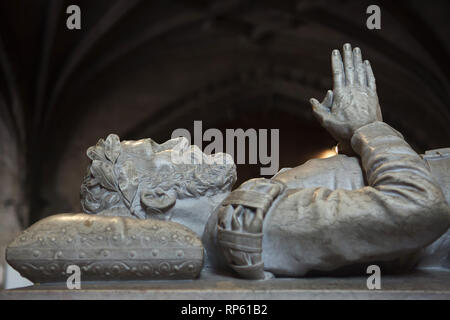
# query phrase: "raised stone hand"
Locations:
[[353, 102]]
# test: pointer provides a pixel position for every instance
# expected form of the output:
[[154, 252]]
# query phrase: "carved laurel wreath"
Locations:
[[121, 179]]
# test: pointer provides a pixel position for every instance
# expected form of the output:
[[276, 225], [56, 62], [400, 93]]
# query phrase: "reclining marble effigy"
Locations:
[[379, 203], [144, 215]]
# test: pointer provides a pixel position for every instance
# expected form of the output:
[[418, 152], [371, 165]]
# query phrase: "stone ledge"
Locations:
[[417, 285]]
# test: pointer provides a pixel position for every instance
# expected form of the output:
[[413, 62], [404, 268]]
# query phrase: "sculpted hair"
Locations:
[[95, 198], [113, 181]]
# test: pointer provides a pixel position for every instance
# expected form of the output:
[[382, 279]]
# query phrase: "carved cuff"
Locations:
[[371, 132], [243, 248]]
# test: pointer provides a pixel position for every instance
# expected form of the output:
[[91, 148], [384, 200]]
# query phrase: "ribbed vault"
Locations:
[[144, 68]]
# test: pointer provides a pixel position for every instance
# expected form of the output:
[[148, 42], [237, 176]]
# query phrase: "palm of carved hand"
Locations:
[[353, 102]]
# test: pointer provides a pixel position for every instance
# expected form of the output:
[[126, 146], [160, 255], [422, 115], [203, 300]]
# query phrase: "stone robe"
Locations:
[[342, 212]]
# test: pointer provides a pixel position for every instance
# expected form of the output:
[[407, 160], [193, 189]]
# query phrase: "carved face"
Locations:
[[169, 181]]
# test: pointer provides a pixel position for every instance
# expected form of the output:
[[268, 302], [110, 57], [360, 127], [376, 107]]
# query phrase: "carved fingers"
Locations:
[[360, 70], [322, 110], [337, 68], [224, 213], [245, 207], [351, 70], [253, 221], [353, 101], [242, 218], [240, 225], [349, 66], [328, 100], [236, 224], [370, 77]]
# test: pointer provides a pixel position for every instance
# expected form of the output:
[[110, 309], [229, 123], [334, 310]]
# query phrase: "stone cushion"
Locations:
[[106, 248]]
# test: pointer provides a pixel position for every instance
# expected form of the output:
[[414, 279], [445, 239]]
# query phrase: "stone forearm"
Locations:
[[401, 211]]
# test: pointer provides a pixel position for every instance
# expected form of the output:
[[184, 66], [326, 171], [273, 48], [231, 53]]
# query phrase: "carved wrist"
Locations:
[[240, 226]]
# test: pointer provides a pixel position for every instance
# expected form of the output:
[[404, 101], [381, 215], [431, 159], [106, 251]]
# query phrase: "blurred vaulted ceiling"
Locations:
[[145, 68]]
